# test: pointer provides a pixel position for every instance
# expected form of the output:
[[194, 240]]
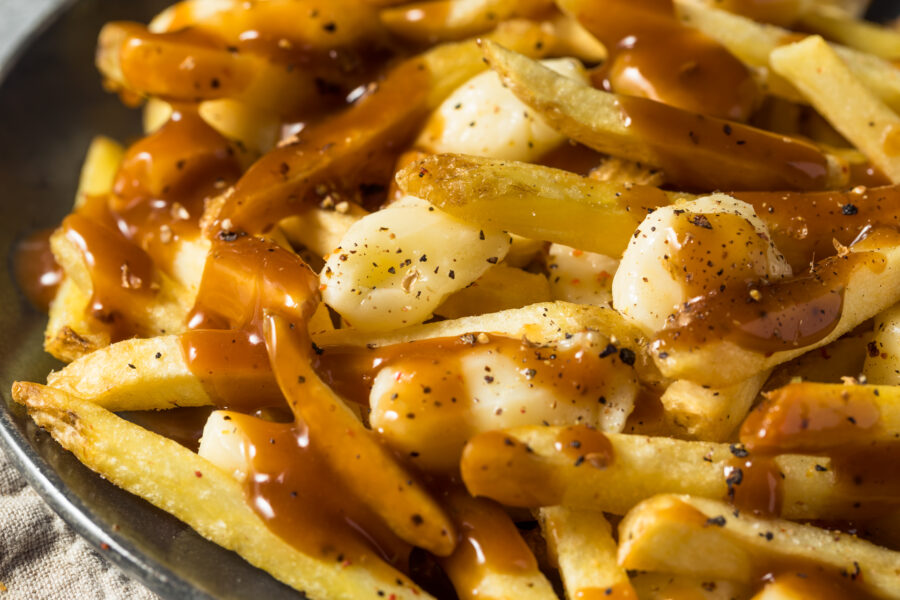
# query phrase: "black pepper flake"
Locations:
[[821, 469], [131, 366], [158, 355], [417, 519], [716, 521], [392, 270], [481, 235], [316, 349], [423, 258], [701, 221], [727, 129], [227, 236], [301, 379], [849, 209], [610, 349], [739, 450], [493, 260], [489, 378], [579, 461], [330, 27], [214, 83], [627, 356], [451, 274]]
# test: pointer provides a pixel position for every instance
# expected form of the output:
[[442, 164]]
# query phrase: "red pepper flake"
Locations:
[[198, 473], [104, 546]]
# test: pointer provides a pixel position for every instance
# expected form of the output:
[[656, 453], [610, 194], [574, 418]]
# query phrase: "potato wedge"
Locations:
[[194, 490]]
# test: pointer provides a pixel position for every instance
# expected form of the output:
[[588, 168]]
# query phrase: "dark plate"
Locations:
[[52, 104]]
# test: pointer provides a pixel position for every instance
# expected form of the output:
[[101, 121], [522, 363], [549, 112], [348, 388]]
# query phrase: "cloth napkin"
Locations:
[[41, 557]]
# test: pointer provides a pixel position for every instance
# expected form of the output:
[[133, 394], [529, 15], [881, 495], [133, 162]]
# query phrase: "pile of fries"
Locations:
[[497, 298]]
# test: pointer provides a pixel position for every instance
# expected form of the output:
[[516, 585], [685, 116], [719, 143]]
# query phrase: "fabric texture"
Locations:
[[41, 557]]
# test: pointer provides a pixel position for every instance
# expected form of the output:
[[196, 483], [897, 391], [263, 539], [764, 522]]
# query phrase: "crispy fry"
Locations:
[[824, 79], [581, 542], [524, 467], [703, 413], [694, 151], [499, 288], [696, 536], [753, 42], [166, 474], [533, 201], [869, 286], [367, 467], [99, 169], [835, 24], [492, 560]]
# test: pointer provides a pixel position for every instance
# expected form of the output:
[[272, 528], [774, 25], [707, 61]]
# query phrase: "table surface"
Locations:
[[40, 556]]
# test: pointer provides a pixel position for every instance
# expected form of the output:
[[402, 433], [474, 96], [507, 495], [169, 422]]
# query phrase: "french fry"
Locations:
[[694, 151], [581, 542], [753, 42], [882, 363], [321, 230], [869, 286], [166, 474], [533, 201], [499, 288], [367, 467], [254, 130], [539, 323], [664, 586], [835, 24], [71, 332], [525, 467], [491, 560], [103, 158], [156, 113], [700, 412], [696, 536], [275, 187], [824, 79]]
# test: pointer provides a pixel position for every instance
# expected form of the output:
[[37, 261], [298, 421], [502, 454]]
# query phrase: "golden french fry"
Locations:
[[694, 151], [386, 117], [71, 332], [665, 586], [533, 201], [700, 412], [103, 158], [696, 536], [866, 281], [319, 229], [882, 363], [531, 467], [824, 79], [836, 25], [368, 468], [499, 288], [581, 542], [491, 560], [753, 42], [539, 323], [194, 490]]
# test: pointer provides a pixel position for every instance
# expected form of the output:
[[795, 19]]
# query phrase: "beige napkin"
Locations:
[[41, 557]]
